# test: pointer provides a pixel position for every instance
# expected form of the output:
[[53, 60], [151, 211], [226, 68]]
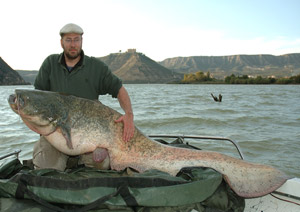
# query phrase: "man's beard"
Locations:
[[72, 57]]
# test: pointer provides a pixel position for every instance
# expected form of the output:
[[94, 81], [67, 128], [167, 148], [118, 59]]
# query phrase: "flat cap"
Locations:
[[71, 28]]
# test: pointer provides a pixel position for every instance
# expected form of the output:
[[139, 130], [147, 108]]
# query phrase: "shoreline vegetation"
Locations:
[[206, 78]]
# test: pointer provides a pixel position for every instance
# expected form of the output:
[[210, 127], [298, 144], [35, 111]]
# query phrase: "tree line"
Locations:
[[205, 78]]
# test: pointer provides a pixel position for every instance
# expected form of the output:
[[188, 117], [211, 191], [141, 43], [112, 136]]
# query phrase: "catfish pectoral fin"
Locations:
[[67, 135]]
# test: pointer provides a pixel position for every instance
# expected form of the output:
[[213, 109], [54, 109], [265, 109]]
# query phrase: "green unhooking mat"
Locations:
[[86, 189]]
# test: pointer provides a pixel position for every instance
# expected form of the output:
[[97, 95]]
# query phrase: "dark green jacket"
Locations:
[[88, 80]]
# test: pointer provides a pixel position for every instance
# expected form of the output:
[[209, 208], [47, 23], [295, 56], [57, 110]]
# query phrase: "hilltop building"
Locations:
[[131, 50]]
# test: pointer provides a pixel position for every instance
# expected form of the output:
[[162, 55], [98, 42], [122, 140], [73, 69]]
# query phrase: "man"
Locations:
[[74, 73]]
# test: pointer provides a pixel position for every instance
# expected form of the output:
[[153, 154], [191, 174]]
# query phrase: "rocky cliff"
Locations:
[[8, 76], [138, 68], [221, 66]]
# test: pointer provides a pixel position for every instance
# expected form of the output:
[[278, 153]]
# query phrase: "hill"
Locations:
[[133, 67], [8, 76], [222, 66], [28, 76]]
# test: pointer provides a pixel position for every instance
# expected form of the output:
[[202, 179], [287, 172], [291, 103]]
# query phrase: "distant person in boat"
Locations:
[[74, 73], [216, 98]]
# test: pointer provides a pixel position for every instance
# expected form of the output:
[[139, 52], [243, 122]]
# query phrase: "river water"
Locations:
[[263, 119]]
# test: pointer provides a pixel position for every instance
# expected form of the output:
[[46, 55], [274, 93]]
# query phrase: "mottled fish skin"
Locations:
[[90, 125]]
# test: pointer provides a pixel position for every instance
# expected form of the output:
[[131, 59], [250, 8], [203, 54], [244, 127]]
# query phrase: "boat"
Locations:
[[285, 198]]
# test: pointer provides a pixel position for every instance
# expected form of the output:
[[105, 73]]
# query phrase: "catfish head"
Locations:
[[42, 111]]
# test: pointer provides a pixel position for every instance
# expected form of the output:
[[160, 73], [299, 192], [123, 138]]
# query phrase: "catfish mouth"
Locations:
[[14, 103], [12, 99], [33, 121], [17, 103]]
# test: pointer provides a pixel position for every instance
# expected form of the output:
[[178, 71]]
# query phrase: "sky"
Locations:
[[160, 29]]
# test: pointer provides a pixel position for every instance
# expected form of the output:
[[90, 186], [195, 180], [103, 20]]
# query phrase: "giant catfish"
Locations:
[[76, 126]]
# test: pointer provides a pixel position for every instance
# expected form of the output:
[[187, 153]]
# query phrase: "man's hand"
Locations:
[[128, 129], [127, 119]]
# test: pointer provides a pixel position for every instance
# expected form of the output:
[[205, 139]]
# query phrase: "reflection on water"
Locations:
[[264, 119]]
